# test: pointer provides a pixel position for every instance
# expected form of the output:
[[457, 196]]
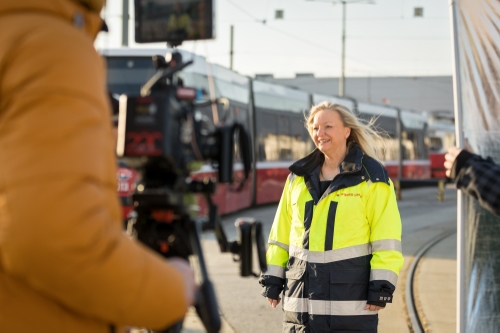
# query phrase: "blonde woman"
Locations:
[[335, 244]]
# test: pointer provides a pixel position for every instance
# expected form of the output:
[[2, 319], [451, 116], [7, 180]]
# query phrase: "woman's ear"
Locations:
[[347, 132]]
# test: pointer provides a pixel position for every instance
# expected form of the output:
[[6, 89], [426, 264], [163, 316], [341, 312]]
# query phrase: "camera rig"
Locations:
[[164, 137]]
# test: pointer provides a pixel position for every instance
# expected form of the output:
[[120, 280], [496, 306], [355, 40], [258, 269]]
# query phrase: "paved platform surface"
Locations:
[[243, 310]]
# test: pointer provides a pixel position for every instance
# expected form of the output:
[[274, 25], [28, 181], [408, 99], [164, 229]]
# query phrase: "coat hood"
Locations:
[[71, 10]]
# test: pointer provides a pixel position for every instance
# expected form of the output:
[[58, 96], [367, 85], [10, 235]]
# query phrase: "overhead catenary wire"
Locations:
[[373, 69]]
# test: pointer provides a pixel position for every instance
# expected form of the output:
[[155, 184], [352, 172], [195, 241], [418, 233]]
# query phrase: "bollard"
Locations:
[[397, 187], [441, 190]]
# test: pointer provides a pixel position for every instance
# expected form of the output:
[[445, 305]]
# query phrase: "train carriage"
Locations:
[[440, 136], [280, 136], [416, 164]]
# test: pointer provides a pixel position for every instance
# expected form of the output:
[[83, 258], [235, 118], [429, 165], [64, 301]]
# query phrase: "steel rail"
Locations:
[[415, 318]]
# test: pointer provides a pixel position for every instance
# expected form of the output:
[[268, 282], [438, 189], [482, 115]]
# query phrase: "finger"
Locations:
[[371, 307], [272, 302], [278, 302], [448, 173], [454, 151], [450, 157], [275, 302]]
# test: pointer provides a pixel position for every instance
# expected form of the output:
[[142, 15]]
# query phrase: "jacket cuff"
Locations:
[[272, 292], [273, 286], [381, 304], [375, 297], [459, 163]]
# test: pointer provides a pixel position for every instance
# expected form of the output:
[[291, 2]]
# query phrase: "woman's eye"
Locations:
[[315, 129]]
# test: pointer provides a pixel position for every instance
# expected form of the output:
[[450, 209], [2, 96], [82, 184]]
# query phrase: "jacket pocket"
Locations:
[[295, 273], [295, 282], [349, 284]]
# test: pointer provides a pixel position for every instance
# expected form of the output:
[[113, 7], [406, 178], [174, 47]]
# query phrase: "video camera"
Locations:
[[162, 134]]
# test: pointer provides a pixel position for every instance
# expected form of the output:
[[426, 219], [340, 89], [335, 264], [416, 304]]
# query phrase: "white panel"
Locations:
[[377, 110]]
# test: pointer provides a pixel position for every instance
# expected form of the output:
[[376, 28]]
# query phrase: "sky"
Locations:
[[382, 39]]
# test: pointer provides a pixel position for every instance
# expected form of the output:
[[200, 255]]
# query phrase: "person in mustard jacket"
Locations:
[[65, 263], [335, 244]]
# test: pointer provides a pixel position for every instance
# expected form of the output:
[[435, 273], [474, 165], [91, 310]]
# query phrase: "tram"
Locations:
[[273, 114], [440, 136]]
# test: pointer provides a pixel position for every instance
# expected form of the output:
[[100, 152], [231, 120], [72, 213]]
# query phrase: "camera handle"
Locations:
[[249, 233], [227, 134], [164, 71]]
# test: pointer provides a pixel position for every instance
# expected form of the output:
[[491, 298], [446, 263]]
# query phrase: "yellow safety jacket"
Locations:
[[335, 251]]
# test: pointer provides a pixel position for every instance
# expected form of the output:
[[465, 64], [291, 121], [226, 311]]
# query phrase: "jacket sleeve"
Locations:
[[273, 279], [479, 178], [387, 258], [60, 226]]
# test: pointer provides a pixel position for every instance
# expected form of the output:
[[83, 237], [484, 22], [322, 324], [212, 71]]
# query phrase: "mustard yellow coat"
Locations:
[[65, 264]]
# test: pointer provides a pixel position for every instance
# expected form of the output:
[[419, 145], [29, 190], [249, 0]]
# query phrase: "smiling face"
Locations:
[[329, 133]]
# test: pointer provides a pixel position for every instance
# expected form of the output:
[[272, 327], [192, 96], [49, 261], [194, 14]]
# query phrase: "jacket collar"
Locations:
[[310, 166]]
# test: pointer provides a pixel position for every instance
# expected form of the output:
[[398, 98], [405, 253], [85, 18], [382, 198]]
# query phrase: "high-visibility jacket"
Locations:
[[335, 251]]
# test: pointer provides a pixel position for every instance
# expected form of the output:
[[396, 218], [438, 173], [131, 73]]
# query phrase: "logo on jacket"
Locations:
[[349, 195]]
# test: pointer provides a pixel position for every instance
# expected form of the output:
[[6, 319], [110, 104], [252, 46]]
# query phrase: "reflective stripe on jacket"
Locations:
[[335, 251]]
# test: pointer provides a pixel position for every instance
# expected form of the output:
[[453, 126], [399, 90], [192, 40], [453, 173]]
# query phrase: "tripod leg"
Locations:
[[206, 306]]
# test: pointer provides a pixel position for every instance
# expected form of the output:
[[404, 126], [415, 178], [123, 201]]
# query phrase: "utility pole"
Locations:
[[342, 73], [231, 49], [125, 23], [369, 89], [344, 5]]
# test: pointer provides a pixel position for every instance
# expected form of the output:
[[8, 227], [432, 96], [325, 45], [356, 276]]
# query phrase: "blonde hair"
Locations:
[[364, 133]]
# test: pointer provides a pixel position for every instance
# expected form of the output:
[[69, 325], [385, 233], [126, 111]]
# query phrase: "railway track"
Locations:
[[417, 318]]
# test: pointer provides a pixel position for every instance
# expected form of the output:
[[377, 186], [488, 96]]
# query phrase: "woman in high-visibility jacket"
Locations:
[[335, 244]]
